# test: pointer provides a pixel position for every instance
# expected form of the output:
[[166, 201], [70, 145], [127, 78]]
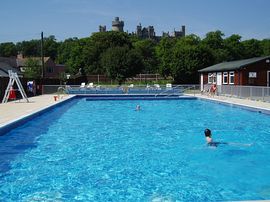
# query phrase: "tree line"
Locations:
[[119, 55]]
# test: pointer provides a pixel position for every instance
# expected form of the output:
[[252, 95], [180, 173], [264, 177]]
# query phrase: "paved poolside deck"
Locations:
[[238, 101], [12, 111], [18, 109]]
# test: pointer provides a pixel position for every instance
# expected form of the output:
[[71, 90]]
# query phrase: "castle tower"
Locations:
[[117, 25], [139, 30], [102, 28], [151, 32], [183, 30]]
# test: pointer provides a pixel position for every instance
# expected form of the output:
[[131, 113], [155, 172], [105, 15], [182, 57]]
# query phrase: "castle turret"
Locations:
[[102, 28], [183, 30], [151, 32], [139, 30], [117, 25]]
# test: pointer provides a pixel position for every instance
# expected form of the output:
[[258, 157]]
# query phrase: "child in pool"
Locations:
[[209, 140]]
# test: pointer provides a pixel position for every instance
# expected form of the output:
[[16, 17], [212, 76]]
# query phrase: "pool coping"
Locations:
[[8, 126], [239, 105]]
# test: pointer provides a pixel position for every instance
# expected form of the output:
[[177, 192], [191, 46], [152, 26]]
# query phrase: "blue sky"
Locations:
[[25, 19]]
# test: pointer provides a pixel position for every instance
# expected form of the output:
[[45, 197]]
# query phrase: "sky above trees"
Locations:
[[24, 20]]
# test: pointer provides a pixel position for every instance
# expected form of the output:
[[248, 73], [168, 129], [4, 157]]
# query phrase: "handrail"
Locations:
[[167, 90], [173, 93]]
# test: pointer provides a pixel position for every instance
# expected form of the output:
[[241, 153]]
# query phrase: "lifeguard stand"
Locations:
[[13, 77]]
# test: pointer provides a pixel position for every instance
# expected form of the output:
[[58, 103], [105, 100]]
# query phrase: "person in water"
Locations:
[[209, 140], [138, 108]]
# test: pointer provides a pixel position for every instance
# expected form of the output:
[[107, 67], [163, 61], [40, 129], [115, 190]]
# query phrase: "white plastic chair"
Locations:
[[168, 86], [157, 86], [90, 85], [82, 85]]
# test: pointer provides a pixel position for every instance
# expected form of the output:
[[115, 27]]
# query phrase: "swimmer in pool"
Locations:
[[209, 140], [138, 108]]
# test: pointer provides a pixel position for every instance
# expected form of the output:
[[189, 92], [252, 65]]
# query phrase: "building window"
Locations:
[[231, 78], [212, 78], [225, 77]]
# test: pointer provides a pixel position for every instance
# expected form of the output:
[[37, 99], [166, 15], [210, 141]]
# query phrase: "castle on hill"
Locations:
[[143, 32]]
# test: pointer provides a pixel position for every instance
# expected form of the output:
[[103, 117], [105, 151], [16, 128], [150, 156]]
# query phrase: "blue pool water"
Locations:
[[107, 151]]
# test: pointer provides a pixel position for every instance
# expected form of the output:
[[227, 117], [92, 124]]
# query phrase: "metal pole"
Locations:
[[42, 56]]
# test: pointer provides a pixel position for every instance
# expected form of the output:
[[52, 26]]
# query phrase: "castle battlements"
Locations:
[[143, 32]]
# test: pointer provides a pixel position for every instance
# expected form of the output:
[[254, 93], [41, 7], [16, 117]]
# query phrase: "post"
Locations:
[[42, 57], [263, 93]]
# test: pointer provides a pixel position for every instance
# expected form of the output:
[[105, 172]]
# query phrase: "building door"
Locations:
[[201, 82], [219, 81]]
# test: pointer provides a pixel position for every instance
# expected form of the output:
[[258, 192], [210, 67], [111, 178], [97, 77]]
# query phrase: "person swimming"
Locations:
[[209, 140], [138, 108]]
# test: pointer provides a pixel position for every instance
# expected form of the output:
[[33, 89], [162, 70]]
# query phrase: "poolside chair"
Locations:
[[82, 85], [157, 87], [168, 86], [148, 87], [90, 85]]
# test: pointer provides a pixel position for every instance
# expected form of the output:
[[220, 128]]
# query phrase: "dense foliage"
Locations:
[[120, 55]]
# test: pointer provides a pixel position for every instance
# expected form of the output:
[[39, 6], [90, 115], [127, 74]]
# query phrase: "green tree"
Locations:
[[8, 49], [187, 60], [70, 54], [265, 44], [50, 47], [164, 52], [252, 48], [234, 47], [146, 48], [100, 42], [189, 55], [214, 40], [29, 48], [121, 63], [32, 68]]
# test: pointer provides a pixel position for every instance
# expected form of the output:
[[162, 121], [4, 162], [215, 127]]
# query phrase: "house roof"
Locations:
[[233, 65], [9, 60], [4, 67], [21, 61]]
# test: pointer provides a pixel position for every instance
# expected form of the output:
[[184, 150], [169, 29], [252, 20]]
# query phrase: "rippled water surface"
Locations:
[[107, 151]]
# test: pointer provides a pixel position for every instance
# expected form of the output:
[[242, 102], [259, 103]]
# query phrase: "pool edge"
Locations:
[[242, 106], [6, 127]]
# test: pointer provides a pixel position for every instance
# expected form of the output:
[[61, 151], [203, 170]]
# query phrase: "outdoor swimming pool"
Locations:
[[107, 151]]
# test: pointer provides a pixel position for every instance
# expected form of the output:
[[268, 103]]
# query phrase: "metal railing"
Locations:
[[180, 90], [154, 90], [259, 93]]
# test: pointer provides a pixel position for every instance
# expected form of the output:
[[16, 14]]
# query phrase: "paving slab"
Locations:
[[238, 101], [15, 110]]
